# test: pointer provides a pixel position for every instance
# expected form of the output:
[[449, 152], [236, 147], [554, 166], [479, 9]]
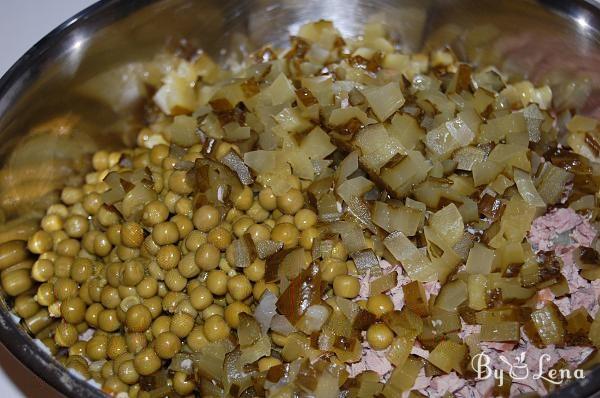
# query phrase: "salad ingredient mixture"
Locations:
[[334, 219]]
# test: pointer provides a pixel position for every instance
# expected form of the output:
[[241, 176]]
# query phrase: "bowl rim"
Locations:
[[13, 336], [41, 48]]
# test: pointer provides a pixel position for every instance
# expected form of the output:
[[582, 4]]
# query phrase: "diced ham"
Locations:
[[546, 230], [403, 279], [571, 273], [484, 388], [498, 346], [561, 230], [596, 286], [563, 304], [422, 381], [365, 285], [397, 293], [584, 234], [371, 360], [418, 351], [574, 355], [431, 288], [449, 383], [536, 357], [468, 330], [586, 298], [397, 296], [526, 387], [523, 361], [458, 387]]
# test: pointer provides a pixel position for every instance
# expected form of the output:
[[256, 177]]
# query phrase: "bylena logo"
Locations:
[[518, 370]]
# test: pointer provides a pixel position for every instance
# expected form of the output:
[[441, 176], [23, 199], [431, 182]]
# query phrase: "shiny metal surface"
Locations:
[[537, 37]]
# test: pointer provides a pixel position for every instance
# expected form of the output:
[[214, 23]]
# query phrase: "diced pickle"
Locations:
[[507, 331], [495, 315], [445, 321], [452, 295], [404, 323], [594, 333], [399, 350], [403, 377], [294, 220], [383, 283], [448, 356], [415, 298], [549, 324], [477, 288], [480, 260]]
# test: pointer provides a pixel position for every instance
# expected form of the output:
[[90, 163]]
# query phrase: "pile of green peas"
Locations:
[[116, 300]]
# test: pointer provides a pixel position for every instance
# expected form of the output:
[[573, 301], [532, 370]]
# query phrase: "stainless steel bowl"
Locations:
[[550, 34]]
